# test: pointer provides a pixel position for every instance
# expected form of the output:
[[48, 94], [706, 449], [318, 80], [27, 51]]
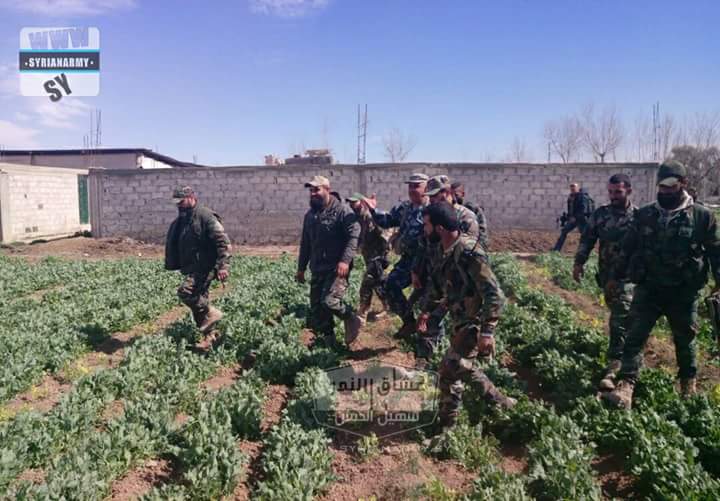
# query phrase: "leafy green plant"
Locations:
[[368, 447], [296, 463]]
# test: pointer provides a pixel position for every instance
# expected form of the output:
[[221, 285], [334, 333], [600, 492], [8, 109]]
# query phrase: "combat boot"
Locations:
[[362, 314], [621, 396], [352, 329], [407, 329], [607, 383], [688, 387], [213, 317]]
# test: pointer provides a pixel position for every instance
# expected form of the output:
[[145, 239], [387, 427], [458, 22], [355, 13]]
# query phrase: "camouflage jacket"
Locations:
[[329, 235], [608, 225], [198, 243], [428, 254], [464, 284], [673, 248], [484, 238], [374, 241], [409, 221]]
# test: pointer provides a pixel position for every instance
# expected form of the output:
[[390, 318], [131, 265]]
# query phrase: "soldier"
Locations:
[[374, 247], [579, 208], [667, 252], [407, 217], [609, 223], [329, 242], [458, 193], [429, 256], [198, 246], [463, 284]]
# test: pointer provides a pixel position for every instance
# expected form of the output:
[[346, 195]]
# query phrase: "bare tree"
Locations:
[[397, 145], [602, 133], [704, 130], [642, 139], [518, 151], [564, 137]]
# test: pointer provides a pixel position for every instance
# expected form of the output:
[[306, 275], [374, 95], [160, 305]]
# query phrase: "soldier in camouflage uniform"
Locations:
[[197, 245], [329, 242], [428, 258], [374, 247], [463, 284], [458, 193], [608, 224], [667, 252], [407, 217]]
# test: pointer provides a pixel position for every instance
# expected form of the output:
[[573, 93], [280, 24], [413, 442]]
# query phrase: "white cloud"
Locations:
[[23, 117], [64, 114], [287, 8], [13, 136], [67, 7]]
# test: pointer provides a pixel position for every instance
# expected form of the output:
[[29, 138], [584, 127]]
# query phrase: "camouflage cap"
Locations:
[[669, 173], [355, 197], [417, 177], [180, 193], [318, 181], [436, 184]]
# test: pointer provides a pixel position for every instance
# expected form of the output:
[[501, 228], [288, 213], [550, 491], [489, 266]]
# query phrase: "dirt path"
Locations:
[[659, 352]]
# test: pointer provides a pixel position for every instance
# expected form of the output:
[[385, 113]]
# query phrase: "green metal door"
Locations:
[[83, 199]]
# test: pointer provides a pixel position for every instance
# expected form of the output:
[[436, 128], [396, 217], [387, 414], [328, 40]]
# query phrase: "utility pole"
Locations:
[[362, 122]]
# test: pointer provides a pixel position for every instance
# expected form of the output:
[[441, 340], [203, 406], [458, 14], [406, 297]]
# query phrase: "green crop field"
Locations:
[[255, 436]]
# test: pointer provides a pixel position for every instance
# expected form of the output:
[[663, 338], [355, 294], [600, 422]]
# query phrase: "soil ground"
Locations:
[[401, 469], [525, 241]]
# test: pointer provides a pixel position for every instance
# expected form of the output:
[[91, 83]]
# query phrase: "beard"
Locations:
[[316, 203], [460, 200], [618, 203], [433, 237], [669, 200], [184, 212]]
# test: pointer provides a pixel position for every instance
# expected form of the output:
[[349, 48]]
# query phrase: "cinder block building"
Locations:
[[42, 202], [106, 158]]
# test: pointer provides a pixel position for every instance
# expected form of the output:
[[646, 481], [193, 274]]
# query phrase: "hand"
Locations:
[[421, 326], [415, 280], [300, 277], [343, 269], [578, 272], [371, 202], [223, 274], [486, 345]]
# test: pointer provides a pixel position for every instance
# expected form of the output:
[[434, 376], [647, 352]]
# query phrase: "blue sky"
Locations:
[[250, 77]]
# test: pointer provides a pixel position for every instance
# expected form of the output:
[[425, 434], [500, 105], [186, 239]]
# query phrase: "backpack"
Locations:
[[589, 203]]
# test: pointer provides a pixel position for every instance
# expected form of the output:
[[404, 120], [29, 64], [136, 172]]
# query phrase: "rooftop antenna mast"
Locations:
[[656, 131], [362, 122]]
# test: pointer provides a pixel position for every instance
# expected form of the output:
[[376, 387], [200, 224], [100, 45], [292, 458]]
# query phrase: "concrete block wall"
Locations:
[[265, 205], [38, 202]]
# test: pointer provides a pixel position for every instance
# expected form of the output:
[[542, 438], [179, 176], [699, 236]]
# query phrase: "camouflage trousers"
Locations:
[[680, 308], [398, 279], [326, 300], [194, 292], [372, 281], [618, 302], [459, 367], [566, 230]]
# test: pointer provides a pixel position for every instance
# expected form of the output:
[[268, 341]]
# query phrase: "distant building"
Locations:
[[107, 158], [272, 160], [311, 157], [42, 202]]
